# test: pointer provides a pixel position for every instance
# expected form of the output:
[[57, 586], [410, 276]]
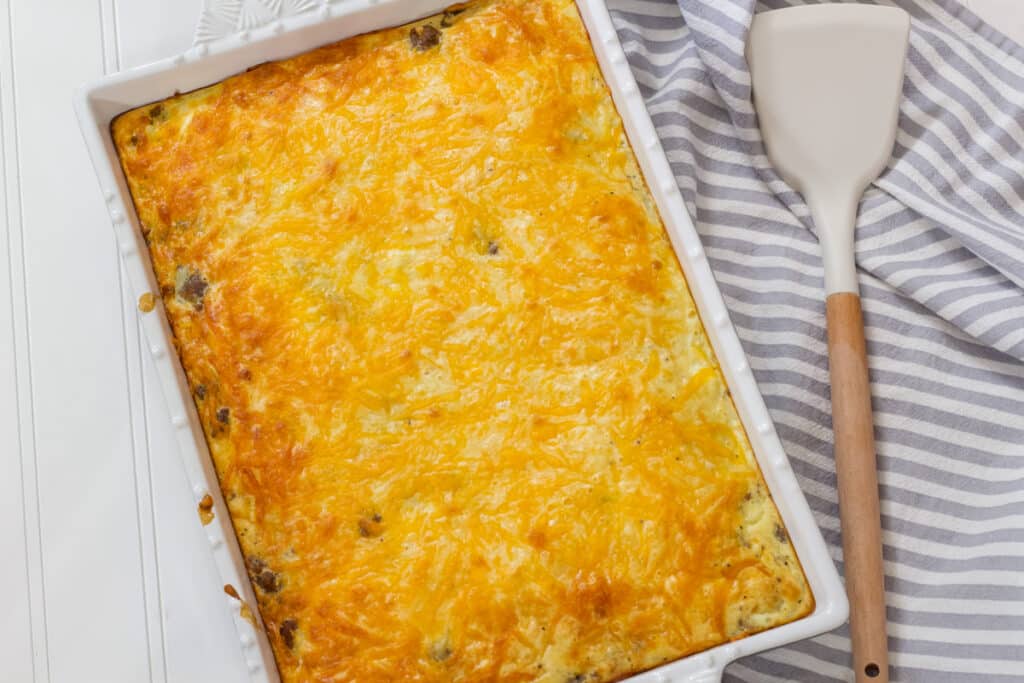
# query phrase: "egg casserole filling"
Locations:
[[461, 405]]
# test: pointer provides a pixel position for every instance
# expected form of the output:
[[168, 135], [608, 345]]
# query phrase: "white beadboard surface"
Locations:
[[106, 572]]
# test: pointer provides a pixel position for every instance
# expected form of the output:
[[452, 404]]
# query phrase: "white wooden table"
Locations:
[[104, 568]]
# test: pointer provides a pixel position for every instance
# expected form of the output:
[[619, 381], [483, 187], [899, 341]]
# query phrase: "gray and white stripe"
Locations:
[[940, 245]]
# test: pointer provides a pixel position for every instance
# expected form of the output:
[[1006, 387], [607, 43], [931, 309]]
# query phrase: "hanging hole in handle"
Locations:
[[872, 670]]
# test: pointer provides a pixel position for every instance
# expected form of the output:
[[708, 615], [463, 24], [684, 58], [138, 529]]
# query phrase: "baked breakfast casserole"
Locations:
[[463, 411]]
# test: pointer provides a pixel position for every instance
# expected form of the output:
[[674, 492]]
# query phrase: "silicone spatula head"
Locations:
[[827, 82]]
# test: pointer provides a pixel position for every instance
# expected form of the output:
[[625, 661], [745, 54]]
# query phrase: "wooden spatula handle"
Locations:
[[857, 479]]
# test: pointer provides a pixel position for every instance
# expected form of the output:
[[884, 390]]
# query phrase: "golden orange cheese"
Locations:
[[465, 416]]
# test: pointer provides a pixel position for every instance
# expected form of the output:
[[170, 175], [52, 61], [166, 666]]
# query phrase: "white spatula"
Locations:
[[827, 82]]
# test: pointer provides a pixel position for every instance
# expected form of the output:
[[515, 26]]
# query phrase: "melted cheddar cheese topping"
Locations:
[[460, 402]]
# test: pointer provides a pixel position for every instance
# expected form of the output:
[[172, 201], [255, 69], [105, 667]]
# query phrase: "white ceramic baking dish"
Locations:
[[98, 103]]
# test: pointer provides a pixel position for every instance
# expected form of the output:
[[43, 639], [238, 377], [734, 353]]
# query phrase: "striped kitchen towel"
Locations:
[[940, 246]]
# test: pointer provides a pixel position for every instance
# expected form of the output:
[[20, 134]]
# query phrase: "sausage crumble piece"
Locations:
[[440, 651], [287, 631], [157, 114], [424, 38], [190, 286], [371, 526], [263, 577]]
